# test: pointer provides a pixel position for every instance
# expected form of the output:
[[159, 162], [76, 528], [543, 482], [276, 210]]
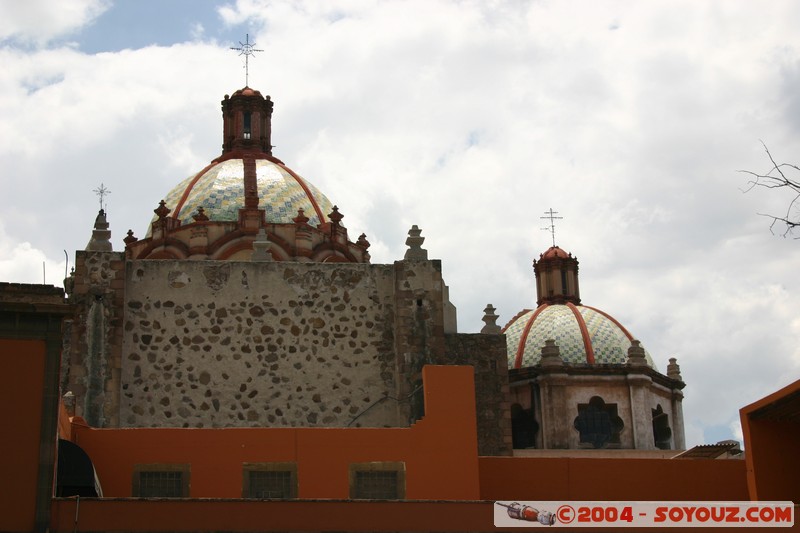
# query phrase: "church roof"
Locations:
[[219, 190], [247, 204], [583, 334], [553, 252]]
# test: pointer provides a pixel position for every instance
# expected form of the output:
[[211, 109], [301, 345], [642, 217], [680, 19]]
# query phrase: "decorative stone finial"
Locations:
[[414, 243], [69, 402], [69, 282], [636, 356], [101, 235], [674, 369], [362, 241], [551, 354], [162, 210], [261, 247], [335, 216], [200, 216], [301, 219], [130, 238], [490, 318]]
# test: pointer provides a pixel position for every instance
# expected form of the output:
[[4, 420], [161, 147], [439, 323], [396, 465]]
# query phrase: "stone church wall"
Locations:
[[211, 344], [487, 354], [629, 394], [635, 397], [92, 363]]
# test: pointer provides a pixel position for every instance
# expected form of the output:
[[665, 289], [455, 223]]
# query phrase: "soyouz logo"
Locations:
[[643, 514]]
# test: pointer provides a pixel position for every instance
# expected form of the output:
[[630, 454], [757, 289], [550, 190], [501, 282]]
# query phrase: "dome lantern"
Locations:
[[247, 122], [556, 277]]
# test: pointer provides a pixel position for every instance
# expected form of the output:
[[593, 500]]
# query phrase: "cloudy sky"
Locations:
[[468, 118]]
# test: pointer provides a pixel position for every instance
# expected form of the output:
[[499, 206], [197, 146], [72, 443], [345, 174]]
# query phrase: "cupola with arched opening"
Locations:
[[247, 122]]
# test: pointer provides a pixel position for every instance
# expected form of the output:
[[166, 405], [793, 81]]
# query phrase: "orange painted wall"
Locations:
[[544, 479], [775, 463], [771, 449], [440, 451], [64, 425], [22, 362], [230, 515]]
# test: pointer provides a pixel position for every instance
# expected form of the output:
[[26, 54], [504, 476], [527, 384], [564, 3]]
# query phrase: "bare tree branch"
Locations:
[[777, 178]]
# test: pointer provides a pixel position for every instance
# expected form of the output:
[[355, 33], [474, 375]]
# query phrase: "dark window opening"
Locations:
[[246, 130], [662, 433], [598, 423], [523, 427], [75, 474]]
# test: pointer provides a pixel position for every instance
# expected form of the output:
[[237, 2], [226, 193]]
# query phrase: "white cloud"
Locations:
[[736, 430], [197, 31], [20, 262], [40, 21], [694, 434]]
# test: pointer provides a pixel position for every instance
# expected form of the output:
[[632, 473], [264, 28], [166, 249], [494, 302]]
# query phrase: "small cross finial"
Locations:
[[246, 49], [552, 228], [102, 192]]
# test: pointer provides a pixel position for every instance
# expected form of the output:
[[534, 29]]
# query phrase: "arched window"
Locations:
[[662, 434], [247, 121], [523, 427]]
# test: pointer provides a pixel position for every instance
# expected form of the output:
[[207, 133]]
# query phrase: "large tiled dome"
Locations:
[[219, 190], [247, 204], [583, 334]]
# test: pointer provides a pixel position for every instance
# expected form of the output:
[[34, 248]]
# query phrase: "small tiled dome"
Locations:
[[583, 334], [219, 190], [553, 252]]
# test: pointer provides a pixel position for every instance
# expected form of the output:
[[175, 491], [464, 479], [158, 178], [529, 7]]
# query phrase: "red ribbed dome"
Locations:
[[584, 335], [555, 252], [247, 91]]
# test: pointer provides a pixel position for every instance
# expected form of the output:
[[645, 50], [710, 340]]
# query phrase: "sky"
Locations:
[[470, 119]]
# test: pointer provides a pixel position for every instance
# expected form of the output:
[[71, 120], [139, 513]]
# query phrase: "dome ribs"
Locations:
[[524, 337], [250, 183], [599, 339], [310, 196], [612, 319], [587, 340], [176, 211], [514, 319]]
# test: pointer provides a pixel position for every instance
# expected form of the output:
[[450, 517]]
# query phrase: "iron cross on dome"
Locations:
[[101, 192], [552, 228], [246, 49]]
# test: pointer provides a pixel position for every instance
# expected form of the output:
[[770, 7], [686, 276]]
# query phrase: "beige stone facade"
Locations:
[[189, 343], [554, 399]]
